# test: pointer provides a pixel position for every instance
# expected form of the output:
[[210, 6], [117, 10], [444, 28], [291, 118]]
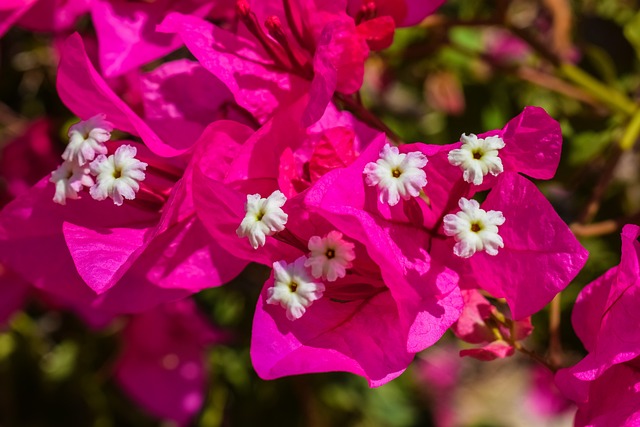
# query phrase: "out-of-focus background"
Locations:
[[469, 68]]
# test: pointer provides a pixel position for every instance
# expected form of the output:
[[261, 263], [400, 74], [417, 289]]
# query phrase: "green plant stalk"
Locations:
[[631, 133], [607, 95]]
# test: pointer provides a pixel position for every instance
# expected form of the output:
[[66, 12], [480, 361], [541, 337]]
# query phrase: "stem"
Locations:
[[511, 339], [555, 84], [603, 227], [631, 133], [607, 95], [532, 354], [555, 344], [610, 97], [367, 116], [592, 207]]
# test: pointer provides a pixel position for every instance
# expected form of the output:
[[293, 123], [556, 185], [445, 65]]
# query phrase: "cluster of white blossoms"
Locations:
[[397, 174], [116, 176], [473, 228], [295, 287], [402, 176]]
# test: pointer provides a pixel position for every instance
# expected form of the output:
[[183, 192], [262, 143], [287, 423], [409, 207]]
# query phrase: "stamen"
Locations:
[[251, 22], [274, 27]]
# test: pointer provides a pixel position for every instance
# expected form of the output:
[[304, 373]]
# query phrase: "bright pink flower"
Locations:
[[125, 30], [163, 364], [371, 321], [540, 255], [408, 304], [86, 93], [614, 398], [606, 383], [304, 47], [127, 35], [118, 258], [532, 234], [282, 155]]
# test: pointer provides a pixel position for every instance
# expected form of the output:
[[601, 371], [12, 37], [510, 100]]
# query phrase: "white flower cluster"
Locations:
[[295, 287], [116, 176]]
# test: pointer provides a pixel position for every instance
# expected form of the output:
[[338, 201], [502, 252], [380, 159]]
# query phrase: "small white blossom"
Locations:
[[477, 157], [69, 179], [293, 288], [86, 138], [118, 175], [474, 229], [330, 256], [264, 217], [397, 175]]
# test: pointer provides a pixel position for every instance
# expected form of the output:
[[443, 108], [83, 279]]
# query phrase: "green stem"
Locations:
[[607, 95], [632, 132]]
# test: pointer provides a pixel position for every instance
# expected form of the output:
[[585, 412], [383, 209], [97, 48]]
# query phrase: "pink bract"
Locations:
[[316, 51], [608, 375], [163, 364], [11, 11]]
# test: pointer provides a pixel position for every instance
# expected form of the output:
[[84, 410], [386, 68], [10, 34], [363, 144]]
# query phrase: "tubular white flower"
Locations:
[[118, 175], [397, 175], [330, 256], [69, 179], [264, 217], [86, 138], [477, 157], [474, 229], [293, 288]]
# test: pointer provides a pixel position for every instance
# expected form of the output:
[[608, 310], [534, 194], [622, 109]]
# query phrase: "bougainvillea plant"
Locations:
[[203, 201]]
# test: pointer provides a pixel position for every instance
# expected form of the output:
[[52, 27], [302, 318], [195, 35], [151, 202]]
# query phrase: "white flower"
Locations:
[[474, 229], [293, 289], [118, 175], [69, 179], [397, 175], [477, 157], [264, 217], [87, 138], [330, 256]]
